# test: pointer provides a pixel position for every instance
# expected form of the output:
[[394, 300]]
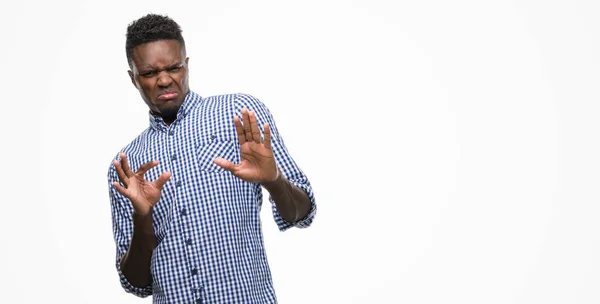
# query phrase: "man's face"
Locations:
[[160, 73]]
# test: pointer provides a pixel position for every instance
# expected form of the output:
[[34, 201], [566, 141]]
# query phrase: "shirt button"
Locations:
[[174, 157], [194, 271], [199, 301], [184, 212], [171, 132], [178, 184], [188, 241]]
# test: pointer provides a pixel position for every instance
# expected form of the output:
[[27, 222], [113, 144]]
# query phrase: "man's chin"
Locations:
[[169, 112]]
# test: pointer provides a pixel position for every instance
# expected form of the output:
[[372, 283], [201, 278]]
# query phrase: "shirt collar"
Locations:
[[189, 102]]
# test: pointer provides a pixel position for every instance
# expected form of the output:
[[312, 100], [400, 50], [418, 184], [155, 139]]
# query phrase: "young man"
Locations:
[[186, 193]]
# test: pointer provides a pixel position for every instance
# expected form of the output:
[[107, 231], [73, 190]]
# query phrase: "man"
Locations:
[[186, 193]]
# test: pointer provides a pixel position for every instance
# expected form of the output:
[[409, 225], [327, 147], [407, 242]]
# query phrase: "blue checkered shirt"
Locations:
[[207, 221]]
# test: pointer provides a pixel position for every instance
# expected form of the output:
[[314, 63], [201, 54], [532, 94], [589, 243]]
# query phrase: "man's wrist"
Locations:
[[273, 184], [142, 223]]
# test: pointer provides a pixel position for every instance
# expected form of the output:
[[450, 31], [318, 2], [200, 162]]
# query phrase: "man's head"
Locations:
[[159, 67]]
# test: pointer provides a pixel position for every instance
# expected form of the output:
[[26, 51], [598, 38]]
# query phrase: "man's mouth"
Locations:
[[167, 96]]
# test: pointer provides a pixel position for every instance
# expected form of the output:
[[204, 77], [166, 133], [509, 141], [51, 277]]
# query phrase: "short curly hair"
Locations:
[[150, 28]]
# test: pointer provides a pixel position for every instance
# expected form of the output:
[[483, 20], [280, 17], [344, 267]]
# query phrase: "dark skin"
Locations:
[[160, 73]]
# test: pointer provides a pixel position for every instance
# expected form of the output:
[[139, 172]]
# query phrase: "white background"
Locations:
[[453, 145]]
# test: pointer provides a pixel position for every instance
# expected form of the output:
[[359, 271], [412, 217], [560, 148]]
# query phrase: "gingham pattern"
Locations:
[[207, 223]]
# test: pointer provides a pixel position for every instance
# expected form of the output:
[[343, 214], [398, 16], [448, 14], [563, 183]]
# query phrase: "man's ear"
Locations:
[[132, 79]]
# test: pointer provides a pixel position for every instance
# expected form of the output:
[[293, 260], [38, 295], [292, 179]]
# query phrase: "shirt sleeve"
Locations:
[[122, 222], [284, 161]]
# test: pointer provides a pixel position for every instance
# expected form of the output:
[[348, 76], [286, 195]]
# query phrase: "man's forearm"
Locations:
[[135, 264], [292, 202]]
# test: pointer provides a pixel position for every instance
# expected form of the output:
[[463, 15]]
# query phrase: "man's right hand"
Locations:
[[142, 193]]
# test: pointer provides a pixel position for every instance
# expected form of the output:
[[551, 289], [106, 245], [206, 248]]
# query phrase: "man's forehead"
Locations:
[[158, 52]]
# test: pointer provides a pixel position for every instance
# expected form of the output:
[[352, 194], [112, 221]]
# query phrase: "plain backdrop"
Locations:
[[453, 146]]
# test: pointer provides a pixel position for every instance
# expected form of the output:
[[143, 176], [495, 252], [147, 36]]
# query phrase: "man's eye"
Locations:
[[174, 69], [148, 74]]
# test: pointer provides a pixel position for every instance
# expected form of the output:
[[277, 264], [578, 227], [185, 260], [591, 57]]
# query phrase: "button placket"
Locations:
[[189, 238]]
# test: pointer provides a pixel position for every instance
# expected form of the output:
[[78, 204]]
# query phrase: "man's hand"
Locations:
[[142, 193], [258, 163]]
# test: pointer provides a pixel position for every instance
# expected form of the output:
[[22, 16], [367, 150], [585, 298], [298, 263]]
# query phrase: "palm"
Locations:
[[257, 161], [142, 193]]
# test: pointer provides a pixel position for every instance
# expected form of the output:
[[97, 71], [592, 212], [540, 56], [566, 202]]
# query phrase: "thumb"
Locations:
[[162, 180], [225, 164]]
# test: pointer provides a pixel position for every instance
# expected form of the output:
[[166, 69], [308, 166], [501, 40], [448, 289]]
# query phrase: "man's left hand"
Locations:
[[258, 163]]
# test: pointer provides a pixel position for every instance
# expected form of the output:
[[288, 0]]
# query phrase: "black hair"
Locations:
[[151, 28]]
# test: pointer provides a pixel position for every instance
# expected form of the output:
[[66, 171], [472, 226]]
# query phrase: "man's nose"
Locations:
[[164, 79]]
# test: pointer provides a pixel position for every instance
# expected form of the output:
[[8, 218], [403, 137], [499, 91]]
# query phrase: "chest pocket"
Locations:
[[207, 151]]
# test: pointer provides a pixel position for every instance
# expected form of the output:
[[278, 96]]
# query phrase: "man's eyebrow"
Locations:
[[177, 64], [148, 68]]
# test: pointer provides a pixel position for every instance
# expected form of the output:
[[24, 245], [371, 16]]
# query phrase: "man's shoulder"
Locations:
[[136, 146], [240, 100]]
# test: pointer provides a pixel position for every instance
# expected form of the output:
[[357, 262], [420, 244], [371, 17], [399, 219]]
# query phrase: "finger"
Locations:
[[162, 180], [254, 128], [121, 190], [145, 167], [122, 177], [125, 165], [239, 130], [225, 164], [267, 136], [246, 121]]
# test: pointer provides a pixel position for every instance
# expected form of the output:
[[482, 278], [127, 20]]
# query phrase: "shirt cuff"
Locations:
[[140, 292], [305, 222]]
